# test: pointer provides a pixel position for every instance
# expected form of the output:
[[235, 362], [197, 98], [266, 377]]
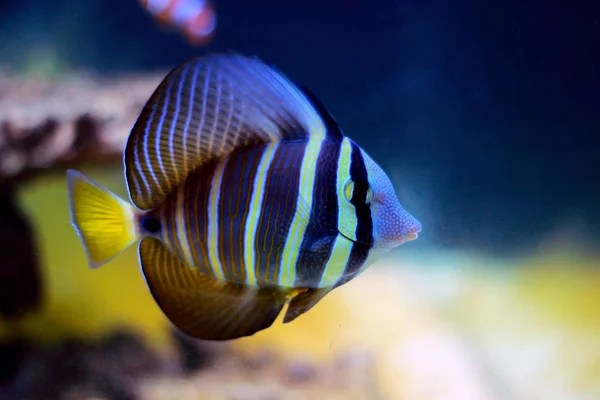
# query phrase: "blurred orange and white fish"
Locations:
[[195, 19]]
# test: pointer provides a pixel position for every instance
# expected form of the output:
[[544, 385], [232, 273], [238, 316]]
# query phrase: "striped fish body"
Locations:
[[247, 219], [247, 196]]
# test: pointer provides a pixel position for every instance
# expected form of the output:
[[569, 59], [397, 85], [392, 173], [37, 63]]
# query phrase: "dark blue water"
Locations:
[[486, 113]]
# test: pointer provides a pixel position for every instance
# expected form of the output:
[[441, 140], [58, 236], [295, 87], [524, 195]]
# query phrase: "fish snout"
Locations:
[[396, 227], [411, 229]]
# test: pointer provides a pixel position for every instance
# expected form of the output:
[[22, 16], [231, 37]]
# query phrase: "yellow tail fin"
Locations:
[[105, 223]]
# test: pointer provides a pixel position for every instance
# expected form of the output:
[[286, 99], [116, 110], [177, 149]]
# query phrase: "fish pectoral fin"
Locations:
[[280, 179], [202, 306], [303, 302]]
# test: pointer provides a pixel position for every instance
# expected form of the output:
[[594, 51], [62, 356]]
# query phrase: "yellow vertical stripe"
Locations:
[[181, 227], [334, 269], [213, 221], [254, 213], [287, 270], [347, 220]]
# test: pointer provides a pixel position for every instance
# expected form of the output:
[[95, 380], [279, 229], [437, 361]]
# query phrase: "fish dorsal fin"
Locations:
[[333, 129], [206, 108]]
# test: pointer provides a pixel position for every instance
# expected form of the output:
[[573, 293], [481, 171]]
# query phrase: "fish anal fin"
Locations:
[[304, 301], [201, 306]]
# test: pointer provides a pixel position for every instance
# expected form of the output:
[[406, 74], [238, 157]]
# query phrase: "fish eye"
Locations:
[[349, 192], [370, 195]]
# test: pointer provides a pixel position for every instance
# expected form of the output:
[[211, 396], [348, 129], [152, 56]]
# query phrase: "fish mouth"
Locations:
[[411, 236], [413, 232]]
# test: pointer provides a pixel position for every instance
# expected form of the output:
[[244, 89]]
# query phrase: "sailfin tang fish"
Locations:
[[246, 196]]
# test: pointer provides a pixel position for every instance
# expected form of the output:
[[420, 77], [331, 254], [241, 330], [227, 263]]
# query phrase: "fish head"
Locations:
[[392, 224], [381, 221]]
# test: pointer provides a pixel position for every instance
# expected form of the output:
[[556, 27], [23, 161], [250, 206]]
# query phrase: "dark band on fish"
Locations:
[[196, 213], [317, 243], [358, 256], [360, 176], [364, 228], [278, 209], [234, 208]]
